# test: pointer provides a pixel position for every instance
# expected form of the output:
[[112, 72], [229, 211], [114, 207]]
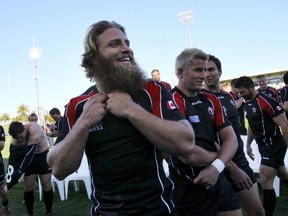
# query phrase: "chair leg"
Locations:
[[88, 189], [61, 190], [76, 185], [40, 190]]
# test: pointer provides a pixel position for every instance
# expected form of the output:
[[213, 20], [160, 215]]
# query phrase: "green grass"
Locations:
[[76, 204]]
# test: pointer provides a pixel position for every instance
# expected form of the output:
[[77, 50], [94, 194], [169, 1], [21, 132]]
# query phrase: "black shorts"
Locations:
[[191, 199], [39, 165], [2, 170], [274, 157], [243, 164]]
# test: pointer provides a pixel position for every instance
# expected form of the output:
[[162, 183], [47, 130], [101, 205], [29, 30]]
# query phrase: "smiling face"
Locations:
[[246, 93], [262, 82], [115, 67], [113, 44], [191, 80]]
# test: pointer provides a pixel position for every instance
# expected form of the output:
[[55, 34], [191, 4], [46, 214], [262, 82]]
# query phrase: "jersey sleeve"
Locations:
[[2, 134], [162, 102], [270, 106]]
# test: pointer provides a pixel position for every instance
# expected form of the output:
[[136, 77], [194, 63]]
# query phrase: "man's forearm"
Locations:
[[65, 157], [173, 137], [199, 157]]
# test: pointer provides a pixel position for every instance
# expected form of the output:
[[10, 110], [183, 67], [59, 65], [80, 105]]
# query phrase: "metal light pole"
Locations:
[[35, 55], [186, 19]]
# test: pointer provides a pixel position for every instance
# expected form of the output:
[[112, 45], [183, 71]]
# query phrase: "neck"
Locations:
[[213, 89], [187, 92], [254, 94], [99, 88]]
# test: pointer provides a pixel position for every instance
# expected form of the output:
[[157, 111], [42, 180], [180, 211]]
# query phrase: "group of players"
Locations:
[[125, 122]]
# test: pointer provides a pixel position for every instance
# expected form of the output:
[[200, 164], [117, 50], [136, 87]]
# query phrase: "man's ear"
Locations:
[[179, 72]]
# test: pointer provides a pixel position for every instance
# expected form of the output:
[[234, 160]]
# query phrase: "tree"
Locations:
[[5, 117], [23, 111]]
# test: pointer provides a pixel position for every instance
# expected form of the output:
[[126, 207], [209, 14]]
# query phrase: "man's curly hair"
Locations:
[[15, 129]]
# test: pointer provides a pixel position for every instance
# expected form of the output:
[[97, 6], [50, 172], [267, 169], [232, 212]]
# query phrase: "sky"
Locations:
[[249, 37]]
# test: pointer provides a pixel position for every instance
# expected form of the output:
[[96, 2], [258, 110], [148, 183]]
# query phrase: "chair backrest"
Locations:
[[84, 167]]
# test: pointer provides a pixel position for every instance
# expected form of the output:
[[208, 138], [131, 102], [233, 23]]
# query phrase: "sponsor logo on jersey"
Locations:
[[194, 119], [278, 108], [211, 111], [171, 105], [197, 102], [265, 158], [98, 126], [254, 110]]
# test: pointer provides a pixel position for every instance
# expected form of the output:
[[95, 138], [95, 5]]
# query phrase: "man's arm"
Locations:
[[208, 176], [199, 157], [281, 121], [240, 177], [285, 105], [250, 138], [66, 156], [54, 133], [229, 145], [173, 137], [35, 132], [239, 102]]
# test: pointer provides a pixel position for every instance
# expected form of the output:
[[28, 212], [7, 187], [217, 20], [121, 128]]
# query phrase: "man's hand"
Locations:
[[250, 153], [241, 179], [94, 109], [207, 177], [120, 104]]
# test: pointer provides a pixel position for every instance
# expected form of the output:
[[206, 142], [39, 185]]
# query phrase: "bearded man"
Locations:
[[123, 123]]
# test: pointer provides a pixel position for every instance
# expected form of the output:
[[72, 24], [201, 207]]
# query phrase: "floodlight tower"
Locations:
[[35, 55], [186, 18]]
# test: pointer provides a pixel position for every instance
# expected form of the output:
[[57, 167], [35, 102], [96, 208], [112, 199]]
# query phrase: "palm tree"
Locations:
[[5, 117], [23, 111]]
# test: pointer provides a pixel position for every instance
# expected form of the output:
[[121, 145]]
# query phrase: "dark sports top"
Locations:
[[2, 138], [167, 85], [127, 173], [271, 92], [206, 115], [58, 124], [284, 96], [230, 109], [59, 127], [259, 113], [2, 134]]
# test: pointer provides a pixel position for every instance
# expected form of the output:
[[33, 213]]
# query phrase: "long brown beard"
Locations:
[[129, 79]]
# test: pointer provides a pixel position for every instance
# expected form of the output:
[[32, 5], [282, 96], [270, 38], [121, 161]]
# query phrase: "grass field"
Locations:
[[78, 204]]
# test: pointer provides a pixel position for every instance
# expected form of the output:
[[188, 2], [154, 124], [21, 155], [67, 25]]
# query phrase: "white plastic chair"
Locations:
[[60, 185], [82, 174]]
